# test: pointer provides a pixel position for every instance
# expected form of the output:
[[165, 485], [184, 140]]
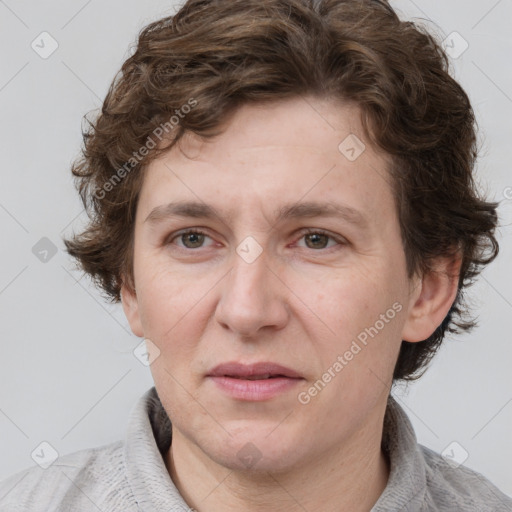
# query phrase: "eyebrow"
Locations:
[[198, 210]]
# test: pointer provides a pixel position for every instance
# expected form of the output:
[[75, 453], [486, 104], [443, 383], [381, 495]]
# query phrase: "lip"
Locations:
[[238, 380], [239, 370]]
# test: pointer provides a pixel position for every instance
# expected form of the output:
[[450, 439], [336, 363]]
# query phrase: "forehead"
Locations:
[[272, 156]]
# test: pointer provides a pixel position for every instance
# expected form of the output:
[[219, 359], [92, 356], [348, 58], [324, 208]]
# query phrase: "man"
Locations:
[[281, 195]]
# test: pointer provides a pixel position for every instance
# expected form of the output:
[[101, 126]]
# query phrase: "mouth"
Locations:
[[254, 382], [256, 377], [255, 371]]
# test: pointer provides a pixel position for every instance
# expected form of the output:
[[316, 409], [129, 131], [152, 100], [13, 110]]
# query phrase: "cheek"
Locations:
[[357, 361], [364, 315], [174, 309], [349, 300], [163, 299]]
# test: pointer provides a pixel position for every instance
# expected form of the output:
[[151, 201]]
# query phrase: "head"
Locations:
[[261, 110]]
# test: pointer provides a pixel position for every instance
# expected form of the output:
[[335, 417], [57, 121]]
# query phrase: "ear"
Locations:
[[432, 296], [131, 309]]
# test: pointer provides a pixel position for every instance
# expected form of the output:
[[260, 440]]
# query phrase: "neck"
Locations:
[[350, 478]]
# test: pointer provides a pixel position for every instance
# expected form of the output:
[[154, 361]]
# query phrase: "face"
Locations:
[[277, 320]]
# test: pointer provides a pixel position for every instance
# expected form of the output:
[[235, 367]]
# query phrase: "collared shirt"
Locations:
[[130, 475]]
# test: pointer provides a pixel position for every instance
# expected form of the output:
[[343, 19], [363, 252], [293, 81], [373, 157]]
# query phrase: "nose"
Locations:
[[253, 298]]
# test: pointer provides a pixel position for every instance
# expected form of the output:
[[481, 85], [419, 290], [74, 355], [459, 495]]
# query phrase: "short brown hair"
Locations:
[[220, 54]]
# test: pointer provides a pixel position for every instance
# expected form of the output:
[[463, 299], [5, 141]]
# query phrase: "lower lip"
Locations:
[[255, 390]]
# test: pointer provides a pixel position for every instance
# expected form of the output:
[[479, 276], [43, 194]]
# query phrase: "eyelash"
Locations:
[[303, 233]]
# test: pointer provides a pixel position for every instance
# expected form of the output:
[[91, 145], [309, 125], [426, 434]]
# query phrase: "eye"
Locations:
[[191, 239], [316, 239], [319, 239]]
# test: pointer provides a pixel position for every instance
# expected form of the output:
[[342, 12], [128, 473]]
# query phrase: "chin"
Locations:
[[256, 452]]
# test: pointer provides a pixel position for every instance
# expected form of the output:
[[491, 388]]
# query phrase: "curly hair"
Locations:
[[190, 71]]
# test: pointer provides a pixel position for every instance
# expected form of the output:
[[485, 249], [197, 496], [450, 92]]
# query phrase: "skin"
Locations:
[[300, 304]]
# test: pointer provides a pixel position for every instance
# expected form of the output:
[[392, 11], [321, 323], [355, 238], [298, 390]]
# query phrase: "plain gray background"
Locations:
[[68, 374]]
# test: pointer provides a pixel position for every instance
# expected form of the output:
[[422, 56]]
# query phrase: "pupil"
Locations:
[[316, 237], [196, 239]]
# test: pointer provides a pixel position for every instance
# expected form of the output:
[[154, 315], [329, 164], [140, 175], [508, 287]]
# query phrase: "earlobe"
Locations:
[[431, 299], [131, 309]]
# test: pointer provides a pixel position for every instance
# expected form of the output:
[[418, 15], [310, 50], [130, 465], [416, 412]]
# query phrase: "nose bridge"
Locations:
[[248, 279], [252, 296]]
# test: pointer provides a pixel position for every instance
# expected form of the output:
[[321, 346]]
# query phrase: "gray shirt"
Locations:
[[130, 475]]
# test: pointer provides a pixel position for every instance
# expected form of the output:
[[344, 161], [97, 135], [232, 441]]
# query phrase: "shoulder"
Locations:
[[451, 487], [91, 479]]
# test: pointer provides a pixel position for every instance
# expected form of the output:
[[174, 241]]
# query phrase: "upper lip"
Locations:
[[263, 369]]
